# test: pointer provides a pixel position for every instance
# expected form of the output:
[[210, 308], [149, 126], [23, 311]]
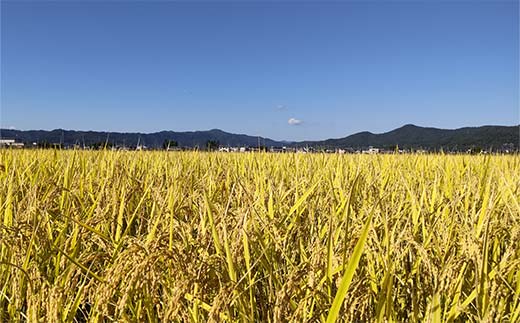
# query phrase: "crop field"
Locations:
[[256, 237]]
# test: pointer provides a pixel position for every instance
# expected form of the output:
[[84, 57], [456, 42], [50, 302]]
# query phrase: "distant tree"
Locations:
[[47, 145], [476, 150], [101, 145], [43, 144], [212, 145], [169, 144]]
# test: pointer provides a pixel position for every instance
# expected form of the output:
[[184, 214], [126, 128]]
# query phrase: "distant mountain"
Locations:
[[152, 140], [408, 136], [412, 136]]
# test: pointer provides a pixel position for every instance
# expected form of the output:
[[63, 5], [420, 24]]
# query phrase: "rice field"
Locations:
[[256, 237]]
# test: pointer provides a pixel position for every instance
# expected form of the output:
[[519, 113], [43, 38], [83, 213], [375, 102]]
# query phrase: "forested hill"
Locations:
[[152, 140], [408, 136], [411, 136]]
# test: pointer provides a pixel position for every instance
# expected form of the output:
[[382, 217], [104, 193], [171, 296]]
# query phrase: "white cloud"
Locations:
[[294, 122], [280, 107], [12, 128]]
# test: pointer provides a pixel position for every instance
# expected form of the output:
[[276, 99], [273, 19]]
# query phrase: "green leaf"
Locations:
[[349, 272]]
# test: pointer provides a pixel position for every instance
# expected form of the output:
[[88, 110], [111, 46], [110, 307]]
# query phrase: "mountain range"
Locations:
[[412, 136], [408, 136], [132, 139]]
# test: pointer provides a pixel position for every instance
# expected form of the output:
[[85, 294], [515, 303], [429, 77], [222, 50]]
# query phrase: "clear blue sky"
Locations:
[[250, 67]]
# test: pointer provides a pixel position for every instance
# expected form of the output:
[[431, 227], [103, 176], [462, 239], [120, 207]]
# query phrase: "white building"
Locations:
[[371, 150], [10, 143], [6, 142]]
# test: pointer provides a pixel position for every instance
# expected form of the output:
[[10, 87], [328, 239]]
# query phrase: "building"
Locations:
[[5, 143], [371, 150]]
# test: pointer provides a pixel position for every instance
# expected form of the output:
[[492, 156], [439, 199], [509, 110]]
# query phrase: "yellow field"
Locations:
[[156, 236]]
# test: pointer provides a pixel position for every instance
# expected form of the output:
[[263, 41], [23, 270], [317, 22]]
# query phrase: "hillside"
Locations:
[[411, 136], [152, 140], [408, 136]]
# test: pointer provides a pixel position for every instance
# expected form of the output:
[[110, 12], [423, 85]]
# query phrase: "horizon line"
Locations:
[[260, 136]]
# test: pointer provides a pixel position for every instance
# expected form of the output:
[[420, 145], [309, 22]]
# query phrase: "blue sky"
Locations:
[[291, 70]]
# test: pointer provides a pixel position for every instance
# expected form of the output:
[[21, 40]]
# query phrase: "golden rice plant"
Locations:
[[104, 236]]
